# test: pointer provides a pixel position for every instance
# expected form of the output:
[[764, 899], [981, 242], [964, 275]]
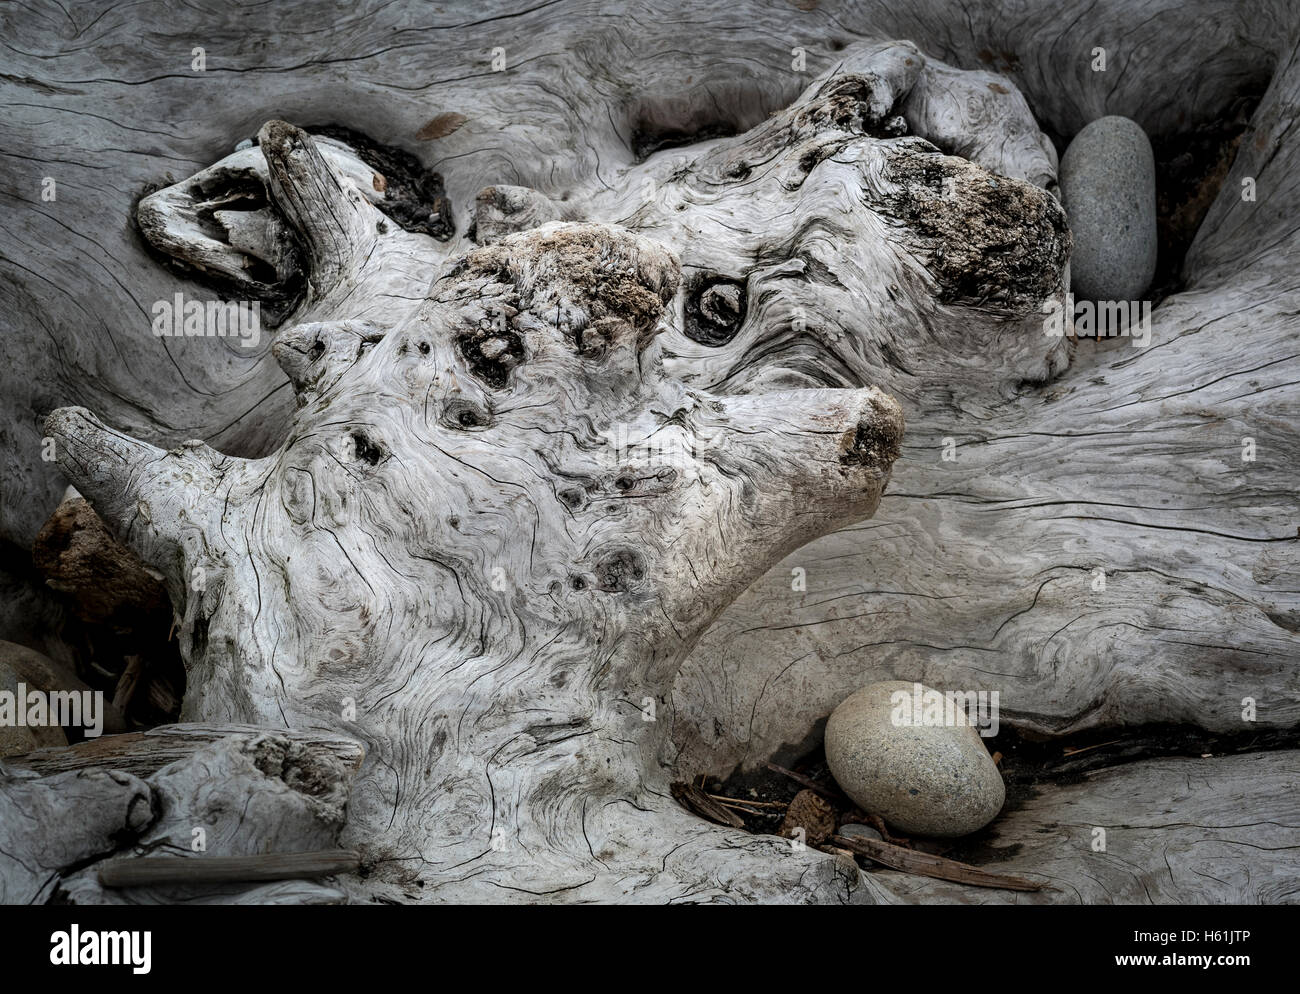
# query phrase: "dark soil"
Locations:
[[647, 140], [414, 197], [1190, 169]]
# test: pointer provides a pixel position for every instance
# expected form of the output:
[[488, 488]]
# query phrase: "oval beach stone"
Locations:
[[1108, 189], [923, 779]]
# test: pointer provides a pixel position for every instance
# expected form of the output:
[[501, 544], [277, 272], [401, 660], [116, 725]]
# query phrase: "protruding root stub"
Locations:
[[877, 439], [984, 238], [508, 476], [329, 215], [220, 228], [158, 502]]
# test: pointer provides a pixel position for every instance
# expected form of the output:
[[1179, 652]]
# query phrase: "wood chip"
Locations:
[[441, 126]]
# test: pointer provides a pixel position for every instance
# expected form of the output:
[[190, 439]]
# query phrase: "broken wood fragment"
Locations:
[[104, 581], [694, 799], [927, 865], [154, 870]]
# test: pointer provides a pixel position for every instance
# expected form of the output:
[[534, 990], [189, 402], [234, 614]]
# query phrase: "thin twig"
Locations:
[[813, 785], [774, 805], [1072, 751], [691, 797]]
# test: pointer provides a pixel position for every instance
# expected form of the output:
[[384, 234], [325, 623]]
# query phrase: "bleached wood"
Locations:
[[976, 573], [979, 573], [228, 790], [512, 482], [1218, 831]]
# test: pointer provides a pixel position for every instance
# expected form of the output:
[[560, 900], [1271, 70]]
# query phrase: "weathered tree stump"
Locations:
[[706, 249]]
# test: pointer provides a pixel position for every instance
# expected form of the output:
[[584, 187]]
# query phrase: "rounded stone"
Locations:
[[923, 779], [1108, 189], [856, 831]]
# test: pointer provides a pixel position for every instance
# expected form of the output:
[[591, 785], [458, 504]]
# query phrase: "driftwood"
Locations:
[[812, 240], [155, 870], [1165, 831], [196, 790], [929, 865], [690, 796], [480, 472]]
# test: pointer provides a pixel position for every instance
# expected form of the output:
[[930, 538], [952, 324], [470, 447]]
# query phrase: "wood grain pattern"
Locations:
[[975, 573], [207, 792]]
